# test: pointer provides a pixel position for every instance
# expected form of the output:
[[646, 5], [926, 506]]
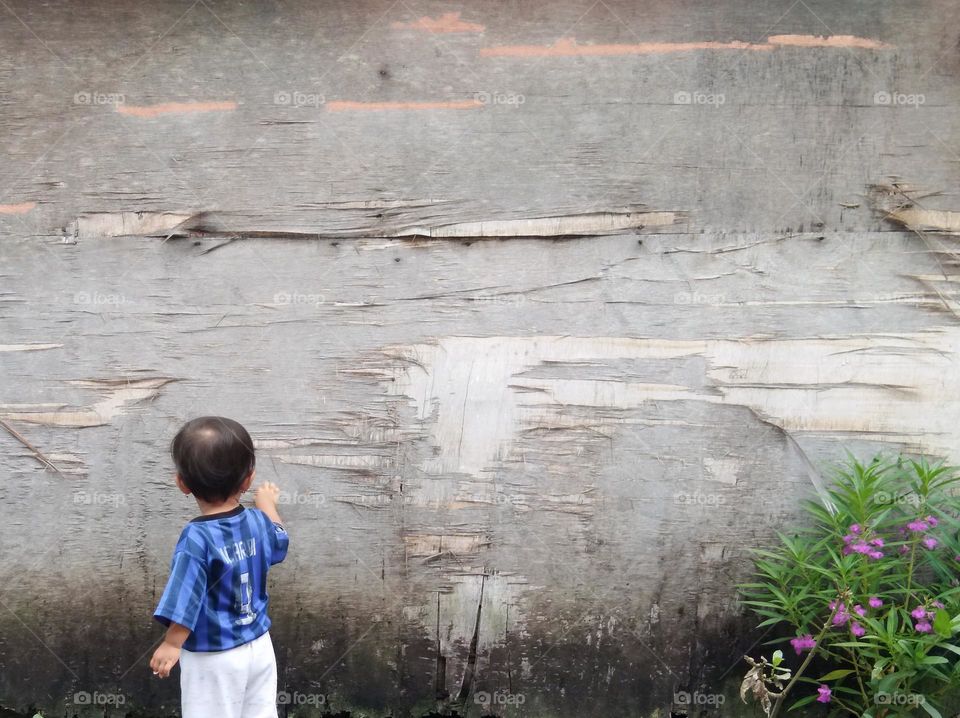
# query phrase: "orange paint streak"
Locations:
[[177, 108], [448, 22], [831, 41], [568, 47], [21, 208], [344, 105]]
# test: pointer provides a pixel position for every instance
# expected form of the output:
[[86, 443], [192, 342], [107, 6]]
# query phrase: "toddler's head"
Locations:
[[214, 456]]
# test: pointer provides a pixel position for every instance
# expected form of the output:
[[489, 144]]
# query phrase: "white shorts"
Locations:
[[240, 682]]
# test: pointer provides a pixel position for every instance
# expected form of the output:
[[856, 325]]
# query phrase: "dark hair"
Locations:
[[213, 456]]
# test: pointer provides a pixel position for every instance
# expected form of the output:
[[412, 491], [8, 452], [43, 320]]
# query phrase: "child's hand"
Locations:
[[266, 499], [267, 495], [164, 659]]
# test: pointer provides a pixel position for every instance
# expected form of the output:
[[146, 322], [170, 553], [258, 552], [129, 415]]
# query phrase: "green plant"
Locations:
[[870, 589]]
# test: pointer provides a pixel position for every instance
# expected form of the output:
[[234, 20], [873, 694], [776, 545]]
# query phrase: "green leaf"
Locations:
[[930, 709], [777, 658], [802, 702], [834, 675], [942, 624]]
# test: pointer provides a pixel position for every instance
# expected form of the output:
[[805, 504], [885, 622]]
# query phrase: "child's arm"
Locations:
[[168, 652], [265, 499]]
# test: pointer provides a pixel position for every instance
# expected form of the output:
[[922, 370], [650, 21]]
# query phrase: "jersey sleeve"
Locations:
[[182, 598], [279, 541]]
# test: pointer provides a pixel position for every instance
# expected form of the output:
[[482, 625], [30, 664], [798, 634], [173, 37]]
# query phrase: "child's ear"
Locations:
[[248, 482], [182, 486]]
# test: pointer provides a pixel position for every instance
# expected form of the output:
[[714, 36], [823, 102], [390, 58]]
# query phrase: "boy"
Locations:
[[215, 601]]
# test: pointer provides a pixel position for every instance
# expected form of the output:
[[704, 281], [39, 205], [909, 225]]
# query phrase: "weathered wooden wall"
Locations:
[[553, 327]]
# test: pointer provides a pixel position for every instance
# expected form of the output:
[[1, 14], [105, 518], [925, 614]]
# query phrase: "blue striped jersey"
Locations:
[[218, 578]]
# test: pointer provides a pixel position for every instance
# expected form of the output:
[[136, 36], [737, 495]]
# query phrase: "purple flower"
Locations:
[[877, 542], [923, 627], [841, 616], [860, 610], [856, 629], [937, 604], [919, 613], [956, 558], [906, 549], [824, 691], [875, 554], [855, 528], [802, 643], [932, 520], [930, 542], [861, 547], [875, 602], [848, 538], [918, 526]]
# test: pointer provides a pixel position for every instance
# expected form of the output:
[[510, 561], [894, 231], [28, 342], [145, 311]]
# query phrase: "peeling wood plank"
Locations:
[[120, 394], [573, 226], [32, 347], [900, 203], [577, 225], [927, 220], [432, 545], [127, 224], [823, 384]]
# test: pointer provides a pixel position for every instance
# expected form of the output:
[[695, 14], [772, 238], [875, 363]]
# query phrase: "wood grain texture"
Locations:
[[703, 273]]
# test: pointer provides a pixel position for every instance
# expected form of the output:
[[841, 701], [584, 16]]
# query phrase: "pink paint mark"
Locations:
[[21, 208], [176, 108], [346, 105], [568, 47], [829, 41], [448, 22]]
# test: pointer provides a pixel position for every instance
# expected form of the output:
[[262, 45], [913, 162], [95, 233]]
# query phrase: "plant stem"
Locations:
[[856, 672], [781, 697], [908, 595]]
